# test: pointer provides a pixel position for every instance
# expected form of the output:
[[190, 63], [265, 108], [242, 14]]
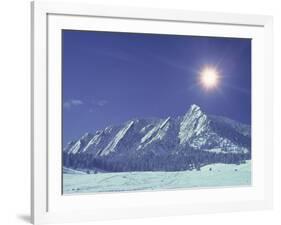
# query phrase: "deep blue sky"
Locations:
[[109, 78]]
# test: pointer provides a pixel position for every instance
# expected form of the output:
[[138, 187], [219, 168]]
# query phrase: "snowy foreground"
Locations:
[[215, 175]]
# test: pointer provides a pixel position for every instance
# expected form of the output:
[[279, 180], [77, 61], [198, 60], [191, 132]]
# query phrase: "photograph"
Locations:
[[154, 112]]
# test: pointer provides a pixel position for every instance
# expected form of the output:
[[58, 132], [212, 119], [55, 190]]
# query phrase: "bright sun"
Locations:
[[209, 78]]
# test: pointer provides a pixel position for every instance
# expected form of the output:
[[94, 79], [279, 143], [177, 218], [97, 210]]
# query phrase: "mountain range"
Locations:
[[177, 143]]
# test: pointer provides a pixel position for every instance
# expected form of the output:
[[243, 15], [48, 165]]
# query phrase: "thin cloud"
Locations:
[[72, 103], [100, 103], [97, 104]]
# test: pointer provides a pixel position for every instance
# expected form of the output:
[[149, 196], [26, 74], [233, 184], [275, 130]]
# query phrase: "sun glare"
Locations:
[[209, 78]]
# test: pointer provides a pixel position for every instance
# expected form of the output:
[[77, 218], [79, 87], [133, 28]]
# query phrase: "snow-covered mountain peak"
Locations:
[[141, 142], [192, 124], [194, 111], [194, 107], [86, 136]]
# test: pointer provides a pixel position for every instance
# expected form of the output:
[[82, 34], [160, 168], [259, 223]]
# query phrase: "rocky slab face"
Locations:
[[142, 139]]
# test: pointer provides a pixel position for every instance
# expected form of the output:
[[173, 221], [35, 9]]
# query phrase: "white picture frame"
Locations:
[[47, 203]]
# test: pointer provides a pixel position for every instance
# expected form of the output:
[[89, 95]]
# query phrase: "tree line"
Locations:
[[189, 160]]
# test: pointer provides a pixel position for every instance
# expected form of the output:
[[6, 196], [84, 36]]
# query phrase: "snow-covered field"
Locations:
[[215, 175]]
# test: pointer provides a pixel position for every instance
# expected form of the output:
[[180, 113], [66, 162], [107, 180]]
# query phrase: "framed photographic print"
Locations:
[[149, 112]]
